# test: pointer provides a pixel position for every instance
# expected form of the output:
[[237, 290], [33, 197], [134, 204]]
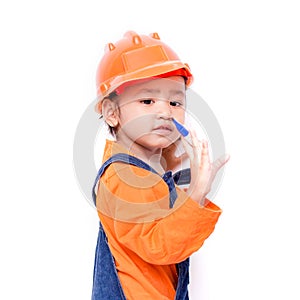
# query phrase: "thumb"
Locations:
[[220, 162]]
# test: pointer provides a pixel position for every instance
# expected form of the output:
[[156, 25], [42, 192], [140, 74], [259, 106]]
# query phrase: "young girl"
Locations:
[[149, 226]]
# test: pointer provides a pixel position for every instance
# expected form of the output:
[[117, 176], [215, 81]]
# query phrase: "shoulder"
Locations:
[[126, 180]]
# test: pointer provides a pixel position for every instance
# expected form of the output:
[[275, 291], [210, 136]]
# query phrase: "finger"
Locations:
[[188, 150], [192, 147], [220, 162], [183, 156], [197, 146], [188, 147], [205, 158]]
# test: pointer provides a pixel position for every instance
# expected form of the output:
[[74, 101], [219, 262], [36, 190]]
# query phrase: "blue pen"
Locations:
[[183, 131]]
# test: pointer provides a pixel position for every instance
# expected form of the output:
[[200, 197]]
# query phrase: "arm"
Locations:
[[139, 218]]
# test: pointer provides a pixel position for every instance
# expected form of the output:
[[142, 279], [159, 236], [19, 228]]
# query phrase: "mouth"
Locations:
[[163, 129]]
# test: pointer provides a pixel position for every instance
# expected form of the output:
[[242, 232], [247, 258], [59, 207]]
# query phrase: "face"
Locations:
[[145, 113]]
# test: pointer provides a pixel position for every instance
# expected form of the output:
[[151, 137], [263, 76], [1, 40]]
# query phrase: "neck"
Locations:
[[150, 156]]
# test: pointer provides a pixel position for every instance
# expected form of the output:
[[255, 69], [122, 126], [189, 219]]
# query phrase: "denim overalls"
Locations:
[[106, 284]]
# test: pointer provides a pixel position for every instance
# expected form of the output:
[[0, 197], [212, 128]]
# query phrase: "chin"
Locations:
[[154, 141], [158, 145]]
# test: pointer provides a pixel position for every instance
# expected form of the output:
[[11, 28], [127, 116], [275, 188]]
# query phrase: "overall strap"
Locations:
[[180, 177], [124, 158]]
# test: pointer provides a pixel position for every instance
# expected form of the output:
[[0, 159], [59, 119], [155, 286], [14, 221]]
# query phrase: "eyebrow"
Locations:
[[157, 91], [177, 92], [147, 91]]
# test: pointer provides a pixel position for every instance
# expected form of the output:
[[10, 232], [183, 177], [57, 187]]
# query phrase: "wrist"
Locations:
[[197, 196]]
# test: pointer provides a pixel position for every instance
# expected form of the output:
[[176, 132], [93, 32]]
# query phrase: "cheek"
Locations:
[[179, 115], [136, 125]]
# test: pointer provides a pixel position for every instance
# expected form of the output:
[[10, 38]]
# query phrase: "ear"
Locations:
[[110, 112]]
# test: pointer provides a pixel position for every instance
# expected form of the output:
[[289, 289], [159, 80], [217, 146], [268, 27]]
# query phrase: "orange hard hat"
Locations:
[[136, 57]]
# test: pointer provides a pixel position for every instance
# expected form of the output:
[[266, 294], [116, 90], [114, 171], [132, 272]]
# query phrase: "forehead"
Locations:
[[157, 86]]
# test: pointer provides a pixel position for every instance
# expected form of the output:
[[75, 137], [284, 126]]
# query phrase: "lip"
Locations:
[[163, 129]]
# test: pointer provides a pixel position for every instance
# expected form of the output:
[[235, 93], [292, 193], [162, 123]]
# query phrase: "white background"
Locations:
[[245, 59]]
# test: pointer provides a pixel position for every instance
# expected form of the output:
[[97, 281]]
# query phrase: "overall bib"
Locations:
[[106, 283]]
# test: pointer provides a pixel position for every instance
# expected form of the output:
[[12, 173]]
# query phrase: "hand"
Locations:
[[170, 161], [203, 171]]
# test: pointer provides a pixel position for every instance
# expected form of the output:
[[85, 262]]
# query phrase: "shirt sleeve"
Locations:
[[133, 205]]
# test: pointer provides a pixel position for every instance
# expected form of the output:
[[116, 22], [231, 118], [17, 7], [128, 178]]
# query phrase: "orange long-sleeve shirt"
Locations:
[[145, 236]]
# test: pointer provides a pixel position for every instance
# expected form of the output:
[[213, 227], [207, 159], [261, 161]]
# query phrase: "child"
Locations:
[[149, 226]]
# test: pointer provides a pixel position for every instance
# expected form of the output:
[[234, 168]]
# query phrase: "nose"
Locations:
[[164, 110]]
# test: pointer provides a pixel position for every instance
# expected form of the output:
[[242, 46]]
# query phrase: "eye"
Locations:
[[147, 101], [175, 103]]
